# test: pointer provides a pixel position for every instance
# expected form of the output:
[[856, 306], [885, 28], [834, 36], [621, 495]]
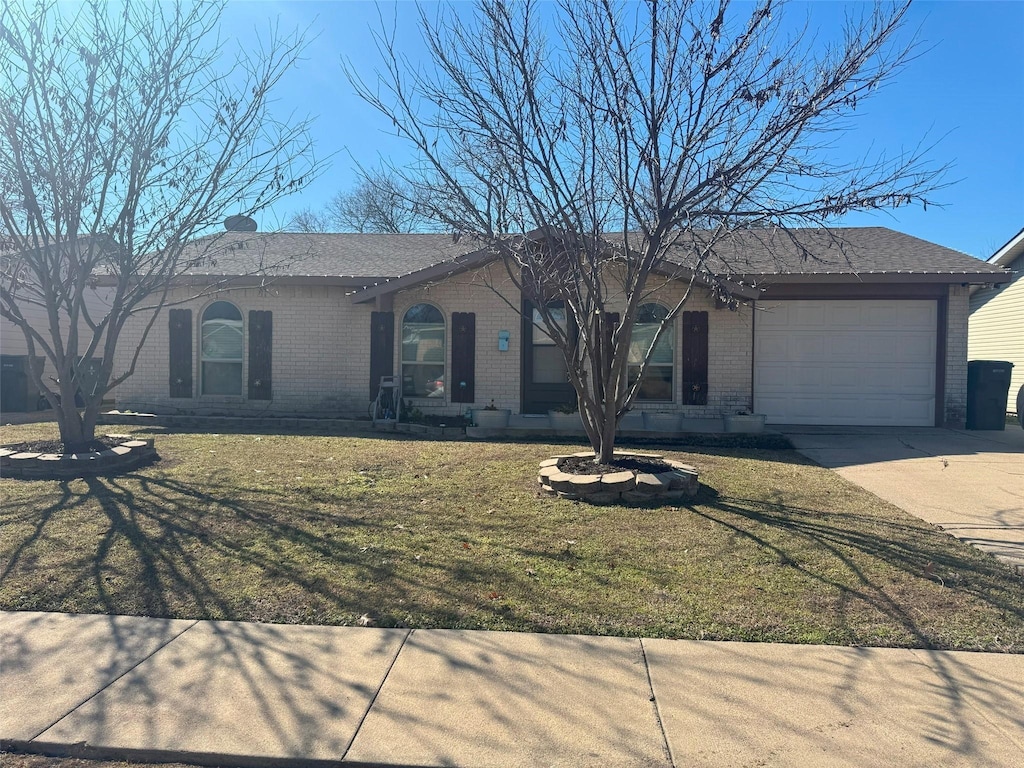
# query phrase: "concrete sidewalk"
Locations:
[[971, 484], [231, 693]]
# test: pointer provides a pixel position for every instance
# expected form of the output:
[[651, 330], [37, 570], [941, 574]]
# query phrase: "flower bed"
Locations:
[[561, 476]]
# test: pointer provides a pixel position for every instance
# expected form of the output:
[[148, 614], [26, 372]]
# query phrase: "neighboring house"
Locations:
[[870, 329], [17, 392], [996, 326]]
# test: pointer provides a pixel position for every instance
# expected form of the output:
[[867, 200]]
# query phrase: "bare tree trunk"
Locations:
[[123, 142], [606, 447], [69, 420], [636, 143], [90, 416]]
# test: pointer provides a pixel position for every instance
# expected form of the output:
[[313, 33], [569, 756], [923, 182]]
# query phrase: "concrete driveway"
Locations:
[[969, 483]]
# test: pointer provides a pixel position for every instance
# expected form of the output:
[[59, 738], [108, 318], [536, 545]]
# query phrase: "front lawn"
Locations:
[[420, 533]]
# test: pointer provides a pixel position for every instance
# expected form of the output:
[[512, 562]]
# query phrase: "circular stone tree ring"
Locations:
[[680, 481]]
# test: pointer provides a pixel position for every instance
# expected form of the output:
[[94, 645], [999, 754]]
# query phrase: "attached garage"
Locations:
[[846, 362]]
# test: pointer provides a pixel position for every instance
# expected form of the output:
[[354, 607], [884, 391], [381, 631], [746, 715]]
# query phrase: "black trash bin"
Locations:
[[988, 384]]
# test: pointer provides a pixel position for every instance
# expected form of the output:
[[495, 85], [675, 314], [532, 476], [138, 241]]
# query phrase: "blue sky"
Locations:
[[966, 90]]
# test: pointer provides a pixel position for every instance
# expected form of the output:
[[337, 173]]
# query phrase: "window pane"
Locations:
[[548, 365], [422, 380], [425, 314], [422, 343], [222, 339], [540, 336], [423, 355], [643, 335], [222, 310], [651, 313], [657, 384], [222, 378]]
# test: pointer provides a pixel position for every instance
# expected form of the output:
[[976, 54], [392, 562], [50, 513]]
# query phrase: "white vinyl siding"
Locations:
[[996, 327]]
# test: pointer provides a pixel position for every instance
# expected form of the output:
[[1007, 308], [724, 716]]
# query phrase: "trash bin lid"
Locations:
[[995, 364]]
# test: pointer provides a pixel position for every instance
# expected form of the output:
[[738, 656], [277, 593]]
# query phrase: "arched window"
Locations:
[[657, 383], [423, 352], [221, 350]]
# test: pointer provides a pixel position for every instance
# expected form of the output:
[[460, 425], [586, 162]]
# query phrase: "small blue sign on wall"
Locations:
[[503, 337]]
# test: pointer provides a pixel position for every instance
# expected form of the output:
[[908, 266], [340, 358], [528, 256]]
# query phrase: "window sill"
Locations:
[[234, 399], [416, 401]]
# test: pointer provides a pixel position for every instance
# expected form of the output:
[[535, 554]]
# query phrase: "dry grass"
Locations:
[[453, 534], [16, 760]]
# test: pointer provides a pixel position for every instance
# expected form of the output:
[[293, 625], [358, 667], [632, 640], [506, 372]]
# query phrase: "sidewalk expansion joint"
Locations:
[[373, 700], [657, 711], [109, 683]]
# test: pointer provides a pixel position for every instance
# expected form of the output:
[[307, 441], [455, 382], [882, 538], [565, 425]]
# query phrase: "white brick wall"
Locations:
[[321, 354], [957, 312], [730, 346], [488, 293], [12, 339], [321, 349], [498, 374]]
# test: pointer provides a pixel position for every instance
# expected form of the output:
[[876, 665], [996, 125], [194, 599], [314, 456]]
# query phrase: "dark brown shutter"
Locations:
[[382, 349], [463, 357], [695, 358], [261, 342], [180, 367]]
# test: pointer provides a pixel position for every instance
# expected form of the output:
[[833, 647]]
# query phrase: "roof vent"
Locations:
[[239, 223]]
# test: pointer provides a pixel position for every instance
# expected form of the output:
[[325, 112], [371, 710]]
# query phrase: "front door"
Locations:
[[546, 385]]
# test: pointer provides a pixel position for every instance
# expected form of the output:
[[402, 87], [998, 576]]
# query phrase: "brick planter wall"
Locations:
[[613, 487], [126, 455]]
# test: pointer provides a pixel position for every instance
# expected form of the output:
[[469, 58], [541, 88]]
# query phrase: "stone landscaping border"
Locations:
[[611, 487], [128, 454]]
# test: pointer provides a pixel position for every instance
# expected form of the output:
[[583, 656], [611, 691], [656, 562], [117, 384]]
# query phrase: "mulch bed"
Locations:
[[56, 446], [583, 465]]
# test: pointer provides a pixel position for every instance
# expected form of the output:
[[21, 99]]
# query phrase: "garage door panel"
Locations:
[[918, 409], [878, 317], [853, 378], [917, 314], [809, 315], [847, 346], [806, 346], [772, 378], [845, 315], [772, 346], [847, 362], [913, 347], [915, 381]]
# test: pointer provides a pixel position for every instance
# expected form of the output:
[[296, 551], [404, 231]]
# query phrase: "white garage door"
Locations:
[[846, 362]]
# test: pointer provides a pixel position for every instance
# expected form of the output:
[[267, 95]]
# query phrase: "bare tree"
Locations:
[[380, 202], [126, 133], [619, 141]]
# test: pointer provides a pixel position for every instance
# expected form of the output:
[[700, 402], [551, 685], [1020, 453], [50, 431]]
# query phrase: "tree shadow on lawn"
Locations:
[[915, 550], [165, 549]]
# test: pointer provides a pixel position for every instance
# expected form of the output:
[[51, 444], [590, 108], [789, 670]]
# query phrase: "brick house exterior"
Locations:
[[317, 351]]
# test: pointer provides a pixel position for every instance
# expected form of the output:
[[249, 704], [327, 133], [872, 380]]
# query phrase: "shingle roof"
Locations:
[[859, 251], [323, 255]]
